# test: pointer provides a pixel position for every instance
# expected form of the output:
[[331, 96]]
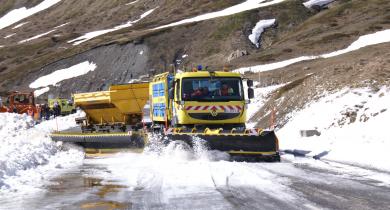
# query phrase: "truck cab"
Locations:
[[202, 98]]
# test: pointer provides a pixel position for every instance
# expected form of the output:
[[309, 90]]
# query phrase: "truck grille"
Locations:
[[208, 116]]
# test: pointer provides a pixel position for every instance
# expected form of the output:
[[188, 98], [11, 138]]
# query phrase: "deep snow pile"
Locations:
[[27, 152], [352, 124]]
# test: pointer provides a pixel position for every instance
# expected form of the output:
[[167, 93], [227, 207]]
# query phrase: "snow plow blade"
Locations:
[[103, 140], [252, 143]]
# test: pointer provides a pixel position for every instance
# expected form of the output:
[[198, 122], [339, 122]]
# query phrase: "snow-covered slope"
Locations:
[[352, 127], [21, 13], [363, 41], [27, 153]]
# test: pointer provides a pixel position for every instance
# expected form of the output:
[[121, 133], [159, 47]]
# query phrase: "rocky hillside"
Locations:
[[124, 40]]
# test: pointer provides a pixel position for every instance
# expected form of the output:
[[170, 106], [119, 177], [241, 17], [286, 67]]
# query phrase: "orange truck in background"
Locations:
[[21, 103]]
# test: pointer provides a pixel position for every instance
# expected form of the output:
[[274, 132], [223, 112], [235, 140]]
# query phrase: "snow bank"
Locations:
[[27, 152], [259, 29], [36, 37], [245, 6], [94, 34], [63, 74], [363, 41], [22, 13], [352, 125], [321, 3]]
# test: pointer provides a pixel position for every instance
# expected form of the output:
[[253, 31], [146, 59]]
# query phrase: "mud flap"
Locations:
[[103, 140], [261, 146]]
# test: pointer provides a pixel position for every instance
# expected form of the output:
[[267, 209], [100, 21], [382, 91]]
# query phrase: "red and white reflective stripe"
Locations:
[[221, 107]]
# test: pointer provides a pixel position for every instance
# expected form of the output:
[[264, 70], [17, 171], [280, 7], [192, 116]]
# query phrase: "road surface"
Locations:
[[178, 179]]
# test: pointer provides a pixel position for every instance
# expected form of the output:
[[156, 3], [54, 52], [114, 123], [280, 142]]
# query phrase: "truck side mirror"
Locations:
[[251, 93], [249, 83]]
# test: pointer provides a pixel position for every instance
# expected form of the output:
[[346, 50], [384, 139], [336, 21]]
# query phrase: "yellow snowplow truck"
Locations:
[[211, 106], [113, 118], [184, 106]]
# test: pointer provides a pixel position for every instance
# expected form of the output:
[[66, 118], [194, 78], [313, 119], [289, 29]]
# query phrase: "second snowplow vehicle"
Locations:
[[204, 104]]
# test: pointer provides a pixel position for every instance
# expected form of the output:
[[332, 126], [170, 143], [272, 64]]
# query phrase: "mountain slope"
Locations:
[[135, 50]]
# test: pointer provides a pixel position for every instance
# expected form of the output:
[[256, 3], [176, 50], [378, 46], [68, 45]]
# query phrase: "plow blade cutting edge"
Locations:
[[103, 140], [263, 145]]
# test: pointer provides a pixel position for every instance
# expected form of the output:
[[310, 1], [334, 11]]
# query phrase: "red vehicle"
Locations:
[[21, 102]]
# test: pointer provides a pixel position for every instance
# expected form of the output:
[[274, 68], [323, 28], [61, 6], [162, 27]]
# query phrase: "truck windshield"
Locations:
[[212, 89]]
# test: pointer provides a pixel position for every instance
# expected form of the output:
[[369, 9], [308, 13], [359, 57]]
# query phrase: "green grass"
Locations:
[[231, 25]]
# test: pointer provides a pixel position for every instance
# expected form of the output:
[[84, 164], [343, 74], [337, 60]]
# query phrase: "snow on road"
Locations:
[[352, 125], [63, 74], [254, 37], [245, 6], [176, 171], [22, 13], [94, 34], [363, 41], [27, 154]]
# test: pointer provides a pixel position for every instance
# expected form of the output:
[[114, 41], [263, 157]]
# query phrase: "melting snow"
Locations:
[[41, 91], [259, 29], [36, 37], [63, 74], [20, 25], [133, 2], [353, 127], [311, 3], [62, 25], [9, 35], [21, 13], [363, 41], [94, 34], [245, 6]]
